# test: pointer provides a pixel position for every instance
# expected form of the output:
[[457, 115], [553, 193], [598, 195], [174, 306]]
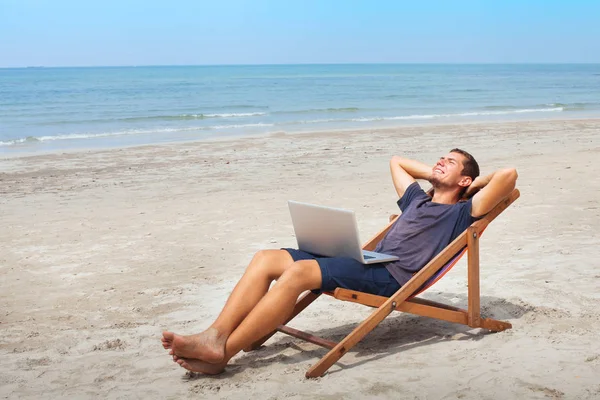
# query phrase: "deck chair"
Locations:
[[405, 299]]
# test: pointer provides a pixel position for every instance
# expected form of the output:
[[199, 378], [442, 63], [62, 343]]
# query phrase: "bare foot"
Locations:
[[207, 346], [195, 365]]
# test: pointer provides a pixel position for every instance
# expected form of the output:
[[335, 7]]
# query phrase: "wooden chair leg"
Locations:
[[474, 308], [494, 325], [349, 341], [301, 304]]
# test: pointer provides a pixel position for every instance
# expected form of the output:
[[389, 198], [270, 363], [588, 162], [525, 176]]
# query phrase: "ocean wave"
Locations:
[[243, 106], [239, 126], [321, 110], [28, 139], [465, 114], [314, 121], [182, 117], [574, 106], [425, 116], [553, 107], [402, 96], [179, 117], [75, 136], [505, 108], [234, 115], [544, 107]]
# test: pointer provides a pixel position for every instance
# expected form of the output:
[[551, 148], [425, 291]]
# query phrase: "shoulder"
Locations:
[[413, 193]]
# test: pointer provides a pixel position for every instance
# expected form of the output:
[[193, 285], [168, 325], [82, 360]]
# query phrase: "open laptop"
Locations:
[[330, 232]]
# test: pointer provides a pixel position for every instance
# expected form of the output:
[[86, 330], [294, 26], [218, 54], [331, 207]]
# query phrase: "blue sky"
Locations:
[[176, 32]]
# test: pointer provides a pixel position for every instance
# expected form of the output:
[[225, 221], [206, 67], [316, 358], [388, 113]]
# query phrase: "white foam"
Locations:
[[13, 142], [541, 109], [75, 136], [230, 115], [238, 126], [427, 116], [467, 114]]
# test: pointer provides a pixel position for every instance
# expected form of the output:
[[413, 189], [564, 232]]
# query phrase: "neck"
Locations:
[[445, 196]]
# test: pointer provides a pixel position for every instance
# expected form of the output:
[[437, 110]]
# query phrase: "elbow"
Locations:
[[510, 175], [396, 160]]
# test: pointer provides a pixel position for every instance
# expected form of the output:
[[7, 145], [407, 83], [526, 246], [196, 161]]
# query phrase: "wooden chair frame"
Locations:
[[404, 300]]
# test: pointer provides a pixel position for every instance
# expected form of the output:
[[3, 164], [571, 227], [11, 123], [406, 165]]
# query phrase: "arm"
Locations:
[[405, 172], [490, 190]]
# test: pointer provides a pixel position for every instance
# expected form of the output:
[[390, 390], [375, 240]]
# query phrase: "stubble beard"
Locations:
[[440, 185], [436, 182]]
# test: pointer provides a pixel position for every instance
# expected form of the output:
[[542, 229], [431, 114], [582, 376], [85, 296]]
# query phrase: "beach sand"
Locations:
[[102, 250]]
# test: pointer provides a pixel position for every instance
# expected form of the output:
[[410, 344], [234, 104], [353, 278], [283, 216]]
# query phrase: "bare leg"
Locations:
[[265, 267], [270, 312]]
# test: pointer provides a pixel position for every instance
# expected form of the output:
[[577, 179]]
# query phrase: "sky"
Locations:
[[196, 32]]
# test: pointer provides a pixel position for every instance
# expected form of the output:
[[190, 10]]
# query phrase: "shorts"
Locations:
[[347, 273]]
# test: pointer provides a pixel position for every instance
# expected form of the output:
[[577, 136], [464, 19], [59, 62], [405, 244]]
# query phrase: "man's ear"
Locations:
[[465, 181]]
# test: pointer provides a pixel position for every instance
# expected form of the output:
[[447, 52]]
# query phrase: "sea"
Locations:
[[54, 109]]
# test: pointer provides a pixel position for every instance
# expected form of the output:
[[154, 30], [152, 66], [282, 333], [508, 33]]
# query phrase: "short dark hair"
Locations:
[[470, 166]]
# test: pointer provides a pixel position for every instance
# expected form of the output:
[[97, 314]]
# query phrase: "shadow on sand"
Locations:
[[398, 332]]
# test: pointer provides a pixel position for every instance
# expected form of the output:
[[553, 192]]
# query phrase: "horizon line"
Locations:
[[295, 64]]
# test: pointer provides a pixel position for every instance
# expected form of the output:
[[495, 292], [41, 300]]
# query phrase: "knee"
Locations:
[[267, 262], [260, 257], [301, 276]]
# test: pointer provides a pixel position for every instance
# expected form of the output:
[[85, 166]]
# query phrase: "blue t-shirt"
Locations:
[[422, 231]]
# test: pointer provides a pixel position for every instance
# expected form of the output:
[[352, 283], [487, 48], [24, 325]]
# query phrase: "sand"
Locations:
[[102, 250]]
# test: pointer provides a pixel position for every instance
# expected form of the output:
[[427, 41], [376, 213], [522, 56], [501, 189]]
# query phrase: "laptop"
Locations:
[[330, 232]]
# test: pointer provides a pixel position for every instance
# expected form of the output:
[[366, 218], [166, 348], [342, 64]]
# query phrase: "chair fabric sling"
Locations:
[[443, 271]]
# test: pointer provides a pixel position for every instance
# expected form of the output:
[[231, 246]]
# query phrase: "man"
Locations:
[[426, 226]]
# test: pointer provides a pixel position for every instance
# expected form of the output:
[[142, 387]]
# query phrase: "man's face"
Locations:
[[447, 171]]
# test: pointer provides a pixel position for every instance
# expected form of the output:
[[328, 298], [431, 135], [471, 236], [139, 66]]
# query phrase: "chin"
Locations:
[[435, 181]]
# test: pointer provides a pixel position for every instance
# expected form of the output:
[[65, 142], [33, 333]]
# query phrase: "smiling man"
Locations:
[[427, 225]]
